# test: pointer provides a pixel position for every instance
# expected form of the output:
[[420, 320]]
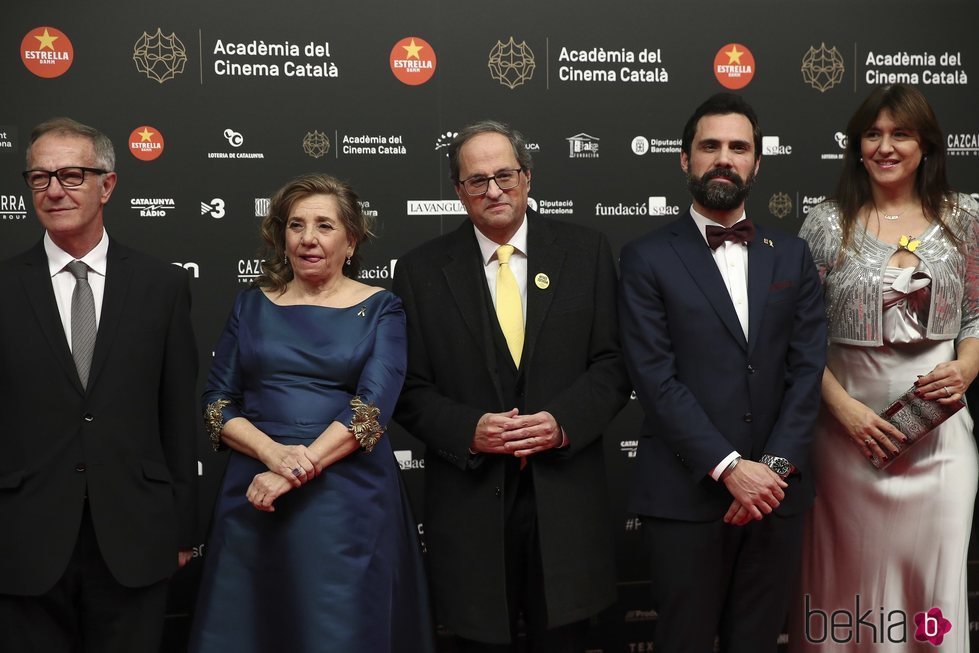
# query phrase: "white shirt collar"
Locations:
[[488, 248], [58, 258]]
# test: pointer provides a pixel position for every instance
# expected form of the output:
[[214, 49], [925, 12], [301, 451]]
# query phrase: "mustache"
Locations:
[[723, 173]]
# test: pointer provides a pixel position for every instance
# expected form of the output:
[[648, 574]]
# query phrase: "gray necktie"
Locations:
[[83, 328]]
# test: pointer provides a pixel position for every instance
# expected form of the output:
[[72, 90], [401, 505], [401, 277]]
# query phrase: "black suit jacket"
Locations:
[[705, 389], [571, 367], [128, 441]]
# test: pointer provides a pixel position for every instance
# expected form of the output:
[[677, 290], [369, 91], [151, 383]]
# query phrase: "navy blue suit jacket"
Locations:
[[705, 389]]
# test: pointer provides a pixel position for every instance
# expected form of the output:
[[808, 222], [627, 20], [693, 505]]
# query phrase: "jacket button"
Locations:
[[80, 467], [88, 417], [498, 492], [747, 417]]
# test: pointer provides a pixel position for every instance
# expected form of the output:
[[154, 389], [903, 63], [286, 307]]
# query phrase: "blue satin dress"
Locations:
[[337, 567]]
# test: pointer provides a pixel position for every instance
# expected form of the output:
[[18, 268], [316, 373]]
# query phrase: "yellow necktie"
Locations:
[[509, 308]]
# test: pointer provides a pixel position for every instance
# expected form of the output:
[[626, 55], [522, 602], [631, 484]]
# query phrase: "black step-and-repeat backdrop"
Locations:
[[212, 106]]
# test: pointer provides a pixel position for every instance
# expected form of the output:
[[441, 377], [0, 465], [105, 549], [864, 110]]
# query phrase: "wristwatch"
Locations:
[[777, 464]]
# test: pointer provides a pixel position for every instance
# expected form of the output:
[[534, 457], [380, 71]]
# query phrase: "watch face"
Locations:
[[779, 465]]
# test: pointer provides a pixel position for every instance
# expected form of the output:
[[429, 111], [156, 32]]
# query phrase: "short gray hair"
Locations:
[[516, 139], [105, 154]]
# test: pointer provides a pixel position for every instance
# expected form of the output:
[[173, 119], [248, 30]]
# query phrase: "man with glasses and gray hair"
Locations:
[[98, 368], [514, 371]]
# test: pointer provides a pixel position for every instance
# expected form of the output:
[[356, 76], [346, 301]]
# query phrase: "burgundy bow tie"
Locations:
[[741, 232]]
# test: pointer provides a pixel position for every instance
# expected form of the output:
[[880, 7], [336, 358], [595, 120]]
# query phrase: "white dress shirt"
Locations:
[[732, 262], [63, 281]]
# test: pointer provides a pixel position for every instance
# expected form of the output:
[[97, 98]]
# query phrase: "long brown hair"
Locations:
[[276, 272], [909, 108]]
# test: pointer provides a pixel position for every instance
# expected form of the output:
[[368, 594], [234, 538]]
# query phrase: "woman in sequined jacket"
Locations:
[[898, 253]]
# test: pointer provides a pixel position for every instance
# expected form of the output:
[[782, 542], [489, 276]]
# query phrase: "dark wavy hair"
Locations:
[[909, 109], [276, 273]]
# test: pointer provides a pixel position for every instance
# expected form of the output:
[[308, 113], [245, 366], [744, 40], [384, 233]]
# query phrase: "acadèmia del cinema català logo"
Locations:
[[47, 52], [159, 56], [822, 67], [511, 63]]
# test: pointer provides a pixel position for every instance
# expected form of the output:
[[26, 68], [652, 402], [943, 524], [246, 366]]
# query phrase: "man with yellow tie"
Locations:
[[514, 370]]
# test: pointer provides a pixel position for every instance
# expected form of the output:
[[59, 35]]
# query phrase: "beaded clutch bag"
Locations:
[[915, 417]]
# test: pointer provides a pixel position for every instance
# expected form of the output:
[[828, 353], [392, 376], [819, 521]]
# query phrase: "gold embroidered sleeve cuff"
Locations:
[[364, 425], [214, 421]]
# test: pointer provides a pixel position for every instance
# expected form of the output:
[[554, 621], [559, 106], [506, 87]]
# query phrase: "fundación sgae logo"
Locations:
[[867, 626], [47, 52]]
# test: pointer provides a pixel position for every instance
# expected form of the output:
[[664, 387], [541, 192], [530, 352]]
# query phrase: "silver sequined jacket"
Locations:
[[854, 302]]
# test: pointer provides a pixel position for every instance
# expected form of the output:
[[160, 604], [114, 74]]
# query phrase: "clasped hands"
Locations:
[[290, 466], [756, 489], [511, 433]]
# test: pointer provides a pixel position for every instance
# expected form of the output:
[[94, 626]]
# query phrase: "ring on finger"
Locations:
[[296, 472], [869, 441], [947, 393]]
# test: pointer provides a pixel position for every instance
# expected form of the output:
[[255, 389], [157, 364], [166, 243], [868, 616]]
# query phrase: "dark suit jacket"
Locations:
[[706, 390], [128, 441], [572, 368]]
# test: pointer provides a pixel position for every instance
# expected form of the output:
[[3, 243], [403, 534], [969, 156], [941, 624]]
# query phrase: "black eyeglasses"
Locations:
[[505, 180], [70, 177]]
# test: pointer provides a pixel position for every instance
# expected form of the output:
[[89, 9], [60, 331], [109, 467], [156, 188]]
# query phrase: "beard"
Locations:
[[722, 197]]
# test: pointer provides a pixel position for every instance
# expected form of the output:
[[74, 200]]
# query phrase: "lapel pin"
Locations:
[[362, 312], [542, 281], [768, 242]]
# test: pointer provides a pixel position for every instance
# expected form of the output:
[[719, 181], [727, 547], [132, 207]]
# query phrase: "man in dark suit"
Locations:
[[97, 380], [512, 408], [724, 337]]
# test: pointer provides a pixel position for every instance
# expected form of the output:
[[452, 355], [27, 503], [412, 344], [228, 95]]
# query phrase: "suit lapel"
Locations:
[[36, 279], [761, 264], [118, 276], [696, 257], [466, 281], [543, 257]]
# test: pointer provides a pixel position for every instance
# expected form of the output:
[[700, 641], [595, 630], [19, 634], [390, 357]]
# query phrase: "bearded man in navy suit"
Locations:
[[724, 336]]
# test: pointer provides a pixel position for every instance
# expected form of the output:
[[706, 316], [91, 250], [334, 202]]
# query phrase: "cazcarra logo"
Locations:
[[249, 269], [379, 271]]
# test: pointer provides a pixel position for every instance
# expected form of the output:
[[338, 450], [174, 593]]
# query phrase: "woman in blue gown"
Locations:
[[312, 546]]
